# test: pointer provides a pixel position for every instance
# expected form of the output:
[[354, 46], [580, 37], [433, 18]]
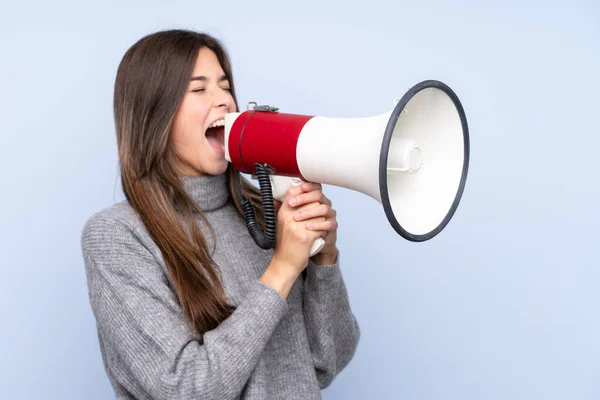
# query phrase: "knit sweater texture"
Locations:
[[270, 347]]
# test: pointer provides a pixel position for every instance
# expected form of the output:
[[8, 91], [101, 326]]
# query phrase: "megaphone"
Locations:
[[413, 159]]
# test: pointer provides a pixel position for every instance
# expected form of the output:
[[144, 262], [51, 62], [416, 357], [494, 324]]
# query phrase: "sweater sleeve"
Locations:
[[146, 343], [333, 331]]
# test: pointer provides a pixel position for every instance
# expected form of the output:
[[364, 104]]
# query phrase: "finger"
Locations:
[[319, 234], [313, 221], [321, 210], [306, 206], [304, 187], [294, 191], [328, 225], [310, 186], [309, 197]]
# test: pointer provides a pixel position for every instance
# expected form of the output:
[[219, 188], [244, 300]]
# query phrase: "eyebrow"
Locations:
[[204, 79]]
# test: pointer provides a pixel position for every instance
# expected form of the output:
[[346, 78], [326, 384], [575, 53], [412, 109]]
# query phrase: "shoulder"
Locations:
[[117, 215], [119, 254], [116, 244], [111, 226]]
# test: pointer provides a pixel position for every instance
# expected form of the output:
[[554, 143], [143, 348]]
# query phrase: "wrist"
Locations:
[[280, 275], [325, 258]]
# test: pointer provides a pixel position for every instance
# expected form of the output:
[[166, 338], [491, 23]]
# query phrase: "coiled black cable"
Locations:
[[264, 240]]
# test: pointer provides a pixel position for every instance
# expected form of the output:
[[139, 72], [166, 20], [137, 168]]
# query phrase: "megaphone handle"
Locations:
[[279, 191], [318, 244]]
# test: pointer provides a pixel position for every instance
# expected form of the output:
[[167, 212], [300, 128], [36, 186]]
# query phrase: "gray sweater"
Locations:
[[269, 348]]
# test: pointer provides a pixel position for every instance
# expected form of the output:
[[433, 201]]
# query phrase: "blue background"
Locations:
[[503, 304]]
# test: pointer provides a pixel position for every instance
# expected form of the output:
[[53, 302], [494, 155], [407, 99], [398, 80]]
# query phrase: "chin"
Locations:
[[218, 167]]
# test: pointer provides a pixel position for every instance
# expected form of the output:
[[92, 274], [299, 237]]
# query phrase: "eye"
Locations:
[[198, 90]]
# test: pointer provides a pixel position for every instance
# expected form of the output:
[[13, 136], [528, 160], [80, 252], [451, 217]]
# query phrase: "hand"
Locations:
[[293, 239], [314, 209]]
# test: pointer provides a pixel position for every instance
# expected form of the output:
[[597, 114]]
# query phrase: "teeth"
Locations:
[[220, 122]]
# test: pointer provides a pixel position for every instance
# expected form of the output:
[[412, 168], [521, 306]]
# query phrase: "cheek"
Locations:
[[197, 113], [188, 126]]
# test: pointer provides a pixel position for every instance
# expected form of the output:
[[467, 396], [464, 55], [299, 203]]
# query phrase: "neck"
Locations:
[[209, 191]]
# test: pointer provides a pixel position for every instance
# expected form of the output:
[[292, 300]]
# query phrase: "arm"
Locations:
[[333, 331], [148, 346]]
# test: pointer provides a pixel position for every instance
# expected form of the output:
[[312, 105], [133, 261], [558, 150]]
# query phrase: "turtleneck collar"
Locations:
[[209, 191]]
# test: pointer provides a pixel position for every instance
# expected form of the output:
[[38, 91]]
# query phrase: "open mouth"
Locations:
[[215, 135]]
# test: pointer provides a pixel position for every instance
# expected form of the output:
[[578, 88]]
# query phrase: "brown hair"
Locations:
[[151, 81]]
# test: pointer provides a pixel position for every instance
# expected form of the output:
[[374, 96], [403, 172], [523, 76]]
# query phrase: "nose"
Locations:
[[223, 98]]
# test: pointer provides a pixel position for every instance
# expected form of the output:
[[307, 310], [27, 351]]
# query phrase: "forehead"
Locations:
[[207, 64]]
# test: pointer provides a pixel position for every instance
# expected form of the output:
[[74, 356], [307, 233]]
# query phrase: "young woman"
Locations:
[[186, 304]]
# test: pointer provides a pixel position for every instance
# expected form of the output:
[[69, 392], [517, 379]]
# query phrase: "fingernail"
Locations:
[[293, 202], [309, 226]]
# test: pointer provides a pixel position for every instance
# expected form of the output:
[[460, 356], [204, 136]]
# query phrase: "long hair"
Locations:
[[151, 81]]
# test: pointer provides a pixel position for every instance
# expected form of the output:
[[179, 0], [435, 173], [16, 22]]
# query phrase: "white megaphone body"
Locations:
[[413, 159]]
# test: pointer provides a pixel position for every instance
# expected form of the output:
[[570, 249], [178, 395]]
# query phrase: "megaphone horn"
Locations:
[[413, 159]]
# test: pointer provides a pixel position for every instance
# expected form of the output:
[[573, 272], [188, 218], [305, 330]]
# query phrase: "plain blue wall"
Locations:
[[503, 304]]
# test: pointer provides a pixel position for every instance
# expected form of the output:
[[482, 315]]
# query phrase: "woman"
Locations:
[[186, 304]]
